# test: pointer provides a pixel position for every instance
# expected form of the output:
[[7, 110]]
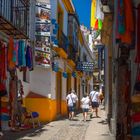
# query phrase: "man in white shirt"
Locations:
[[71, 101], [94, 97], [75, 99]]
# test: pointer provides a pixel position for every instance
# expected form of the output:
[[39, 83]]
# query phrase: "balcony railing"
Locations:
[[14, 17], [71, 42], [63, 42], [72, 55]]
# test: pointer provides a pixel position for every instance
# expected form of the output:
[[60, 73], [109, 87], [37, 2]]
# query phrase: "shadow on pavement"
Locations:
[[103, 122], [9, 135], [95, 117], [77, 125]]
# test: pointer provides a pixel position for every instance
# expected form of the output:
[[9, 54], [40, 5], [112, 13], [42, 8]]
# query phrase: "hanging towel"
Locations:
[[128, 34], [137, 59], [29, 63], [99, 13], [121, 17], [2, 61], [11, 63], [21, 54], [100, 24], [96, 25]]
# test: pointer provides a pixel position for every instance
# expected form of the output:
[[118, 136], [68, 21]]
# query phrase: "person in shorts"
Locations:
[[70, 103], [85, 106], [75, 100], [94, 97]]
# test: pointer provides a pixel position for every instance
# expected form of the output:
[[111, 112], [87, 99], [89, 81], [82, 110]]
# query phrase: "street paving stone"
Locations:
[[64, 129]]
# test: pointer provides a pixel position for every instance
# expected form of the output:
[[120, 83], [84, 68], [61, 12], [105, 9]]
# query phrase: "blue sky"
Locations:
[[83, 8]]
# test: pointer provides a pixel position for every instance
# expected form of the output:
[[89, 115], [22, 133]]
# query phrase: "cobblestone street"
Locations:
[[64, 129]]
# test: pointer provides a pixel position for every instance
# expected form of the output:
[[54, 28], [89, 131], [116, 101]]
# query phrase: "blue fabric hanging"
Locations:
[[29, 63], [21, 54]]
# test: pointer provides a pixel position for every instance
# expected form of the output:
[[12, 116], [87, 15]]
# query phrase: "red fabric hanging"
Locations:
[[136, 117], [11, 63], [129, 23], [137, 59], [96, 25], [2, 61]]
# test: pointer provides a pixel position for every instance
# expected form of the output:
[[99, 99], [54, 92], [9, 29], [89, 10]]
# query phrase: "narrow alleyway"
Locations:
[[96, 128]]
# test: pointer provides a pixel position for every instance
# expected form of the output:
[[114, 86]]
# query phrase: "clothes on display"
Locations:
[[137, 59], [14, 54], [125, 24]]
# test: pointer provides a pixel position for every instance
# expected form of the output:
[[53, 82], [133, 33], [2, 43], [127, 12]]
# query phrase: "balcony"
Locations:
[[14, 18], [63, 42], [62, 50], [72, 55], [74, 45]]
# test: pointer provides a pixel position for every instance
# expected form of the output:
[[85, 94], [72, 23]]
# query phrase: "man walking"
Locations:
[[94, 97], [71, 101]]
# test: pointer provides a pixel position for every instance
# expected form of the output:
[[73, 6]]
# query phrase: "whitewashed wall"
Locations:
[[41, 81], [53, 85], [64, 90]]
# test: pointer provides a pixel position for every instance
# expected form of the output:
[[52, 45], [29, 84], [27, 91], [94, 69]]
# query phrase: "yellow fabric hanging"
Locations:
[[93, 10]]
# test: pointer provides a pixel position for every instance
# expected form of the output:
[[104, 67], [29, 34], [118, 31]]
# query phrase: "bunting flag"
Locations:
[[93, 12], [100, 24], [96, 25], [96, 18]]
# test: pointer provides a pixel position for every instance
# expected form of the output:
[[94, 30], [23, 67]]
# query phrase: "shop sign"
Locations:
[[85, 66], [43, 22], [43, 26], [42, 58]]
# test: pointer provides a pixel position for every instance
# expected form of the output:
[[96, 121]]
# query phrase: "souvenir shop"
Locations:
[[128, 72], [14, 55]]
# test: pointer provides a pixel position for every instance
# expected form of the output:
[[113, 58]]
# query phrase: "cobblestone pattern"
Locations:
[[57, 130], [73, 130]]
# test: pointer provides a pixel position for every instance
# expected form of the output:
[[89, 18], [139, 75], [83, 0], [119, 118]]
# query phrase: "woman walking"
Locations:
[[85, 106]]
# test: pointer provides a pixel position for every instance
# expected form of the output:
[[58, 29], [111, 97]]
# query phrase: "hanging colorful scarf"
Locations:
[[29, 60], [127, 36], [93, 9], [100, 24], [121, 17], [2, 61], [137, 59], [11, 63], [21, 54], [96, 25]]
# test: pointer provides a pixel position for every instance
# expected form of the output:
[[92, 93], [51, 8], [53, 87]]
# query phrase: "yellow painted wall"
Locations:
[[47, 108], [63, 108], [68, 6]]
